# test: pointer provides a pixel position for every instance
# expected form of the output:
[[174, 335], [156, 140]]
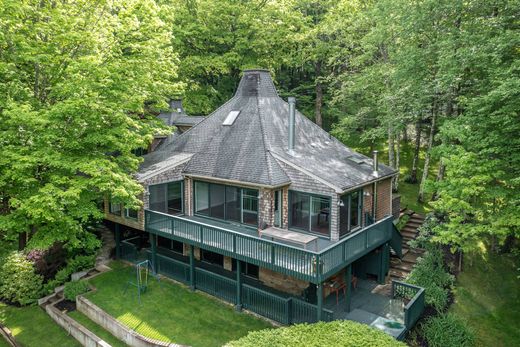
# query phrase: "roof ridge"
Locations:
[[269, 171]]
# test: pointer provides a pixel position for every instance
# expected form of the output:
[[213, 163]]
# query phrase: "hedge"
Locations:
[[334, 334], [18, 281], [446, 330]]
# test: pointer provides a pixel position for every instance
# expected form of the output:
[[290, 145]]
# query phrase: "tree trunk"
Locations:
[[420, 197], [440, 177], [415, 162], [395, 182], [405, 134], [22, 240], [391, 148], [319, 95]]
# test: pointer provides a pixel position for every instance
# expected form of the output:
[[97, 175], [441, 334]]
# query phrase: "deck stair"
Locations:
[[400, 268]]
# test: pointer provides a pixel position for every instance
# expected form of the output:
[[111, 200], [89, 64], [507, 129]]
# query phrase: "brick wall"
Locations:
[[384, 198]]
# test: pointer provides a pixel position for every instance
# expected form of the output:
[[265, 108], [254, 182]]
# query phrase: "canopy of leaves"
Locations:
[[79, 80]]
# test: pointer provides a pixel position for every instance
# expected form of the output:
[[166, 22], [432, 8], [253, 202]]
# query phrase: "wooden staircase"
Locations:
[[400, 268]]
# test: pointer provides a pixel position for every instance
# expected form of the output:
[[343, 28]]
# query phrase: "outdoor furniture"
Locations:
[[293, 237], [335, 287]]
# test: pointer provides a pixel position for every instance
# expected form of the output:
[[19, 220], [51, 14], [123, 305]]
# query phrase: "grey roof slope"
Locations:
[[177, 116], [252, 148]]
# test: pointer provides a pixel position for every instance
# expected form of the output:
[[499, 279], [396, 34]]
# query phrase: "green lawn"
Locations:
[[96, 329], [170, 312], [32, 327], [487, 296]]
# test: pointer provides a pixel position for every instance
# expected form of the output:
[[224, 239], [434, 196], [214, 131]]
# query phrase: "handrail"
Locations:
[[306, 264]]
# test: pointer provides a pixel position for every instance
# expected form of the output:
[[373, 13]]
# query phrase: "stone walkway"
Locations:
[[108, 244]]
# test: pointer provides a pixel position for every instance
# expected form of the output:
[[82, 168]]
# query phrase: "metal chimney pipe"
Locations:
[[292, 121], [376, 164]]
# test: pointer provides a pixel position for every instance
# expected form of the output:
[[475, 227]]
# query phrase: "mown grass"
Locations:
[[32, 327], [96, 329], [487, 296], [170, 312]]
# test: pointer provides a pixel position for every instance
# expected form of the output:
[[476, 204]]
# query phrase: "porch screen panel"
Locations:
[[175, 197], [320, 210], [300, 205], [250, 206], [202, 198], [233, 204], [217, 198], [158, 197], [355, 210]]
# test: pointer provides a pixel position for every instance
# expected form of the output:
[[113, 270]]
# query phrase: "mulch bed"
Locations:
[[66, 305]]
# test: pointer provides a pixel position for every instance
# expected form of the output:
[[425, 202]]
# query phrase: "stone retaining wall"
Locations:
[[116, 328], [78, 331]]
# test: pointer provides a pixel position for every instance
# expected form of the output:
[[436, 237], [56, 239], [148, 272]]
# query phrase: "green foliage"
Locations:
[[78, 263], [80, 83], [18, 281], [75, 288], [337, 333], [430, 273], [446, 330]]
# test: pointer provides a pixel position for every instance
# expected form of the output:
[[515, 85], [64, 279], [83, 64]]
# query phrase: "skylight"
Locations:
[[231, 117]]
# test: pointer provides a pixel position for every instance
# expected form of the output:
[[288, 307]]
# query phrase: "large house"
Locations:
[[259, 206]]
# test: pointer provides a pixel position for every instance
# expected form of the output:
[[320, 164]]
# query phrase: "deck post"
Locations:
[[153, 244], [348, 283], [319, 293], [238, 305], [117, 234], [192, 267]]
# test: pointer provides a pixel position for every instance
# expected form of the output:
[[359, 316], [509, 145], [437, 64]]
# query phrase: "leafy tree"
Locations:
[[79, 82]]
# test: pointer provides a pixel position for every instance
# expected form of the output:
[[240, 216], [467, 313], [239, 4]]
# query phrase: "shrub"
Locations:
[[78, 263], [447, 330], [338, 333], [18, 281], [75, 288], [430, 274]]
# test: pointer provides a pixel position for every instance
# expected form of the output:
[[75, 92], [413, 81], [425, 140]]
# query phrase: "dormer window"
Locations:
[[231, 117]]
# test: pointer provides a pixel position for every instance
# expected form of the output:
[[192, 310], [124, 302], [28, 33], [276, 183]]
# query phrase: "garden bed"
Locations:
[[168, 311]]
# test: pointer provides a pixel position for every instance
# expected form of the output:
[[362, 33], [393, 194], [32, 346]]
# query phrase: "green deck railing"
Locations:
[[129, 249], [286, 259], [285, 310], [414, 308]]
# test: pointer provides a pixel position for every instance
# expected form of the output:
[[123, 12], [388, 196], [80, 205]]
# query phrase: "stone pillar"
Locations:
[[238, 306], [192, 267], [348, 283], [117, 234]]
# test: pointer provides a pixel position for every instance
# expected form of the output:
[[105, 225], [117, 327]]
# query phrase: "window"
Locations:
[[226, 202], [278, 196], [350, 212], [310, 212], [166, 197], [115, 209], [231, 117], [131, 213]]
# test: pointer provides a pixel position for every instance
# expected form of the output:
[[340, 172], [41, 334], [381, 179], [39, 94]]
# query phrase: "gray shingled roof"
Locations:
[[252, 149], [177, 116]]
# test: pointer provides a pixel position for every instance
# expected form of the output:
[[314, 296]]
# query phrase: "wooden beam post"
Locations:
[[348, 283], [192, 267], [238, 305], [319, 294], [153, 243], [117, 235]]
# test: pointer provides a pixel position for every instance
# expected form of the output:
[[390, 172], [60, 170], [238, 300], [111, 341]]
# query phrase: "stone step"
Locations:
[[408, 233], [401, 274]]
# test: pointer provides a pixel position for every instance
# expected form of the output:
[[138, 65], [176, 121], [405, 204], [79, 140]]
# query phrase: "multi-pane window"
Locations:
[[226, 202], [166, 197], [131, 213], [350, 212], [309, 212], [115, 209]]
